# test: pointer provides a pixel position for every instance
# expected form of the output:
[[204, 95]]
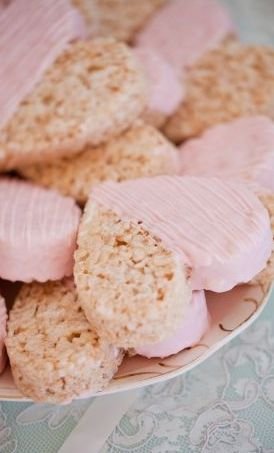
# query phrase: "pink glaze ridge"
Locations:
[[220, 229], [194, 326]]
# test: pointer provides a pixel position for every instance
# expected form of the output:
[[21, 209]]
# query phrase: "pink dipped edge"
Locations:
[[194, 326], [38, 229]]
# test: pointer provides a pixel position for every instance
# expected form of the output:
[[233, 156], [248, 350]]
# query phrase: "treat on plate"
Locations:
[[232, 81], [140, 151], [91, 91], [243, 150], [55, 354], [193, 327], [165, 87], [133, 289], [38, 230], [182, 31], [118, 18], [142, 243], [3, 333]]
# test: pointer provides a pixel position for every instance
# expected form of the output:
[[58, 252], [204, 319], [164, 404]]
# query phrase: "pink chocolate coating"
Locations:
[[33, 33], [242, 149], [166, 90], [38, 230], [193, 327], [183, 30], [219, 228]]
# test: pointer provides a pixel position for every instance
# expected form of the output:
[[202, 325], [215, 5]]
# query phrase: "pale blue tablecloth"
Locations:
[[226, 405]]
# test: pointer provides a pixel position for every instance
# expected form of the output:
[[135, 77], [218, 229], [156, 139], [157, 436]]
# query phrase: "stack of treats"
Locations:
[[137, 173]]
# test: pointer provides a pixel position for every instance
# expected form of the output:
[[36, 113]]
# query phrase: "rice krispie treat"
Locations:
[[140, 151], [38, 229], [232, 81], [139, 241], [118, 18], [33, 33], [55, 354], [243, 150], [94, 90], [132, 288]]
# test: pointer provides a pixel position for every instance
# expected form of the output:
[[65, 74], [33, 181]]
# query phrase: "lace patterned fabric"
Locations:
[[225, 405]]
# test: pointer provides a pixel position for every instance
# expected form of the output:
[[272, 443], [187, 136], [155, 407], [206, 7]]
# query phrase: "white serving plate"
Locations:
[[230, 312]]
